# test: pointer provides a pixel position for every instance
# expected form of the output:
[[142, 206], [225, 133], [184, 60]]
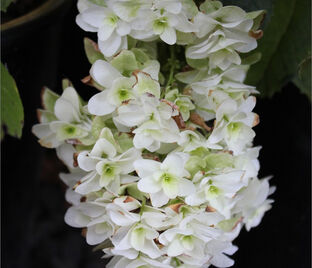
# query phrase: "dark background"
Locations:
[[32, 197]]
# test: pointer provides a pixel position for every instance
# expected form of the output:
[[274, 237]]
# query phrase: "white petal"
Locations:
[[141, 141], [159, 199], [104, 73], [175, 248], [148, 185], [105, 32], [75, 218], [91, 184], [84, 25], [41, 130], [174, 163], [65, 111], [110, 46], [151, 249], [103, 146], [169, 36], [85, 162], [123, 28], [221, 261], [186, 187], [65, 152], [145, 167], [93, 237], [99, 105], [94, 16]]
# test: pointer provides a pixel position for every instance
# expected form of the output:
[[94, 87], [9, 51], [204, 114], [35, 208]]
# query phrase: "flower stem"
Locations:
[[172, 67], [172, 63]]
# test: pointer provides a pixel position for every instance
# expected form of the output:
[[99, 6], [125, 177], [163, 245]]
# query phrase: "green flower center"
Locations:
[[104, 155], [187, 242], [111, 20], [123, 94], [160, 25], [213, 192], [167, 178], [108, 170], [70, 130], [234, 128]]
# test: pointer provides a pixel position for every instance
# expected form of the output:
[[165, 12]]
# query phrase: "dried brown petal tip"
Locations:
[[86, 80], [176, 207], [210, 209], [198, 120], [256, 120], [84, 232], [235, 225], [256, 34], [76, 185], [75, 157], [128, 199], [179, 121]]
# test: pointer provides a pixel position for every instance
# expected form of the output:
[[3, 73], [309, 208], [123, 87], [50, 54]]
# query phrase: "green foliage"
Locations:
[[12, 113], [285, 46], [5, 4]]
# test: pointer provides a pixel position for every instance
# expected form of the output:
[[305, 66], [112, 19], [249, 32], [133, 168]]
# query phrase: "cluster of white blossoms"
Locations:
[[162, 169]]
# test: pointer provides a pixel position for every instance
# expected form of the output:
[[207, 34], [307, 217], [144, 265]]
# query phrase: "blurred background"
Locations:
[[49, 47]]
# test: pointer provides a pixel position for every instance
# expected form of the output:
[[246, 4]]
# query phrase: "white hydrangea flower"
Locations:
[[153, 119], [106, 167], [191, 235], [120, 211], [118, 88], [253, 202], [139, 238], [63, 120], [234, 124], [93, 216], [160, 219], [168, 19], [221, 48], [112, 31], [166, 180], [218, 191], [223, 33]]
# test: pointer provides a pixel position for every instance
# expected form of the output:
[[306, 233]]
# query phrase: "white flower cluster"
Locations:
[[161, 175]]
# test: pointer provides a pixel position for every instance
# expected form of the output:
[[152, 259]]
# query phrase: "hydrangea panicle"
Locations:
[[162, 171]]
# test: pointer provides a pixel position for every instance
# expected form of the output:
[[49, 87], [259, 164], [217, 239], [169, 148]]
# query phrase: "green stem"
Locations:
[[172, 69], [142, 206]]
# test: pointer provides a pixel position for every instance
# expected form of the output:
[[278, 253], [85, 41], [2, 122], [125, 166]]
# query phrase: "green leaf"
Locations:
[[285, 45], [92, 51], [5, 4], [12, 112]]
